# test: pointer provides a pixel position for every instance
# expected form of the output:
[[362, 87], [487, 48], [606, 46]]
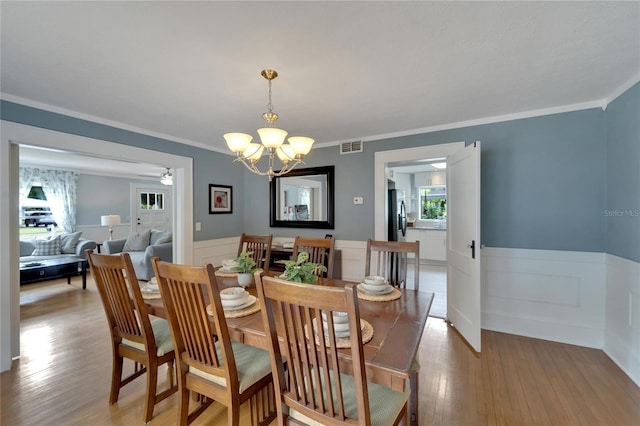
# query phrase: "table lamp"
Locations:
[[110, 220]]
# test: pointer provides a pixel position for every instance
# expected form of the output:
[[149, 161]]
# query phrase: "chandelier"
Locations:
[[272, 139]]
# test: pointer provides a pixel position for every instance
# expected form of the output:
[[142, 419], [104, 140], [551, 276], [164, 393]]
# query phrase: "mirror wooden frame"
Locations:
[[329, 172]]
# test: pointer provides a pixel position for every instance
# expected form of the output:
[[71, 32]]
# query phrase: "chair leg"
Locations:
[[183, 407], [413, 398], [233, 415], [116, 378], [152, 384]]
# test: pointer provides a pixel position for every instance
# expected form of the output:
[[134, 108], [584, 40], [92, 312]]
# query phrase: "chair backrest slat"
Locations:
[[305, 355], [186, 292], [260, 246], [122, 300], [321, 251], [390, 259]]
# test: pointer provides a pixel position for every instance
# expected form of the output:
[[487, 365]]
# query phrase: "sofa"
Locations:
[[28, 247], [142, 248]]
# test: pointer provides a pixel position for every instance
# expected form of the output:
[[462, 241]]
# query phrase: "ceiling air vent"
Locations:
[[351, 147]]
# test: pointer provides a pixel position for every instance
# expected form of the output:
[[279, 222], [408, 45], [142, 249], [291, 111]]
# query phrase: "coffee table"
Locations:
[[47, 269]]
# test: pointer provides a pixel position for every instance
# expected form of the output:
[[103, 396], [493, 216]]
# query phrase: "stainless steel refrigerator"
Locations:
[[396, 216]]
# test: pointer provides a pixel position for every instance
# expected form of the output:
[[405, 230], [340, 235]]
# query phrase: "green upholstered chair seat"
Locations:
[[162, 334], [252, 365], [384, 403]]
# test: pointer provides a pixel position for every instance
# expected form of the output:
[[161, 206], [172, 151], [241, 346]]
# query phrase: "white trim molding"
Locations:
[[545, 294]]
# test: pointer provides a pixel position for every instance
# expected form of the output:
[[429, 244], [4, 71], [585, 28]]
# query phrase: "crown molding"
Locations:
[[620, 90], [99, 120]]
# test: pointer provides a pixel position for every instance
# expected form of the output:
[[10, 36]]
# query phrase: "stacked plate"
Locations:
[[151, 287], [235, 298], [375, 285], [340, 323], [228, 265]]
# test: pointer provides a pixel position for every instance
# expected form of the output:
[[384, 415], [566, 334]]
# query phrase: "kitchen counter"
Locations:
[[428, 228]]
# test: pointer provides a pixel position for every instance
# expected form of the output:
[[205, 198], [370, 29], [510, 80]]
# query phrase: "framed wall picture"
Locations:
[[220, 199]]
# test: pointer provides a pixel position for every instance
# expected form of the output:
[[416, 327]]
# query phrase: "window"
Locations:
[[433, 202], [151, 201]]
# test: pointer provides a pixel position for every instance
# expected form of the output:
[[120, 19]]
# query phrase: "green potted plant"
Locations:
[[246, 267], [301, 270]]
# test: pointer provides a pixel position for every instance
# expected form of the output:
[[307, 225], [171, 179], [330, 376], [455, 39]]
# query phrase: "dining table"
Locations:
[[391, 353]]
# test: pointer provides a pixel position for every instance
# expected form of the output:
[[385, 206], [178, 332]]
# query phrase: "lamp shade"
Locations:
[[300, 144], [110, 220], [237, 142]]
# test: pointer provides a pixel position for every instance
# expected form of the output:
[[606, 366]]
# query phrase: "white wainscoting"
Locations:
[[552, 295], [622, 326], [214, 251]]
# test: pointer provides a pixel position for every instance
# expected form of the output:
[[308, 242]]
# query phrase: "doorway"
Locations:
[[14, 134], [433, 275]]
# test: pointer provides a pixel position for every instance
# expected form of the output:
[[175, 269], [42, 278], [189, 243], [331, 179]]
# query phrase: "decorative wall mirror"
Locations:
[[303, 198]]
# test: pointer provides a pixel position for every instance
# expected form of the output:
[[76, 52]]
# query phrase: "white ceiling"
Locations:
[[190, 71]]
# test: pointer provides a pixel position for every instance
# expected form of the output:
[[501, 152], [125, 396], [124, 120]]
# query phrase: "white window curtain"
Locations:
[[60, 189]]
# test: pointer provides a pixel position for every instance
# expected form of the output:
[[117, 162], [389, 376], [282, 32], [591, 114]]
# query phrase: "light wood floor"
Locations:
[[63, 375]]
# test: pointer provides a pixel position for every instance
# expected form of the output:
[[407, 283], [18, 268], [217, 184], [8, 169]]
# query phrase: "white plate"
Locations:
[[227, 270], [388, 289], [250, 302]]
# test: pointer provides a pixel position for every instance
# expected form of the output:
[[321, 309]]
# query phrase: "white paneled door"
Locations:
[[463, 253], [151, 208]]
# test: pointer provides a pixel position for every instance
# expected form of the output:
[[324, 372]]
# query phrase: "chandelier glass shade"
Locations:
[[272, 139], [166, 178]]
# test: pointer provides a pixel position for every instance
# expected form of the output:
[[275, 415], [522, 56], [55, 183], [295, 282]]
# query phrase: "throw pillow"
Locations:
[[69, 242], [47, 247], [165, 238], [137, 242]]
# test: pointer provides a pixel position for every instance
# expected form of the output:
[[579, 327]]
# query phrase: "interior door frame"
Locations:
[[15, 134]]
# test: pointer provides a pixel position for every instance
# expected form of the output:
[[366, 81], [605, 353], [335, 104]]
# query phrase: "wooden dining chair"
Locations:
[[313, 385], [321, 250], [260, 245], [390, 260], [147, 342], [209, 363]]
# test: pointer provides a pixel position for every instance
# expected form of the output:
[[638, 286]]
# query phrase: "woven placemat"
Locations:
[[219, 273], [343, 342], [238, 313], [393, 295]]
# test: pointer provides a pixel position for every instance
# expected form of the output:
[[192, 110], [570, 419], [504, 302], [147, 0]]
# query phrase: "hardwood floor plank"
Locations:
[[64, 372]]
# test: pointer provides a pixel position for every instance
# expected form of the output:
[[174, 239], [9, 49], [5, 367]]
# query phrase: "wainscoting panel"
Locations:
[[353, 254], [622, 330], [552, 295], [214, 251]]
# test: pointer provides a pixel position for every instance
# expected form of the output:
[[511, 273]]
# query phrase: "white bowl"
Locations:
[[232, 303], [233, 293], [374, 288], [151, 285], [338, 327], [374, 280], [229, 263], [338, 317]]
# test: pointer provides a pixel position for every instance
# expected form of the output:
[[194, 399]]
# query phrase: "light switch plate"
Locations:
[[358, 200]]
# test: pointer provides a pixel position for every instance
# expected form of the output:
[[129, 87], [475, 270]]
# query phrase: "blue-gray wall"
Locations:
[[544, 179], [542, 183], [622, 208], [100, 195]]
